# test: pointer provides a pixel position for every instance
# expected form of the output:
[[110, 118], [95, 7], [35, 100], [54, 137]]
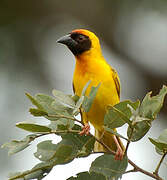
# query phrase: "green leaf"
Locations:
[[85, 144], [115, 118], [65, 152], [119, 114], [34, 101], [17, 146], [61, 124], [88, 101], [45, 150], [37, 112], [79, 100], [160, 143], [61, 153], [59, 107], [64, 98], [38, 172], [109, 167], [87, 148], [78, 105], [151, 106], [33, 127], [85, 88], [138, 131], [88, 176], [46, 102]]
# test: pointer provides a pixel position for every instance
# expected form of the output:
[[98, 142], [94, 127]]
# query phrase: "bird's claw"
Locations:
[[119, 154], [85, 130]]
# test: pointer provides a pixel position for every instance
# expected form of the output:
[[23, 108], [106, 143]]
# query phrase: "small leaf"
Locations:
[[161, 146], [109, 167], [37, 112], [58, 106], [78, 105], [88, 176], [88, 101], [139, 130], [151, 106], [34, 101], [61, 124], [33, 127], [46, 102], [160, 143], [119, 114], [63, 98], [85, 88], [17, 146], [39, 171]]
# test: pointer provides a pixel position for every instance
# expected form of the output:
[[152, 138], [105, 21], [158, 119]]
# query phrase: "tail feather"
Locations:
[[107, 139]]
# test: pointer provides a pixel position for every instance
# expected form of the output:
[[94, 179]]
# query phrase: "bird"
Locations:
[[90, 65]]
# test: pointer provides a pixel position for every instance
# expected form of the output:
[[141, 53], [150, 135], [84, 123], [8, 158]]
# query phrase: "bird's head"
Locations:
[[81, 41]]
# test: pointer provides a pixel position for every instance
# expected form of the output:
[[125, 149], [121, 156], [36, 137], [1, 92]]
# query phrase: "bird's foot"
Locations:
[[119, 154], [85, 130]]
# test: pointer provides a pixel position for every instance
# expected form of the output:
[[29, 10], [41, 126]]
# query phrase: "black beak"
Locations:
[[67, 40], [70, 43]]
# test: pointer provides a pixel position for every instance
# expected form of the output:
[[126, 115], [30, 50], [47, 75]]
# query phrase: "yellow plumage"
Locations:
[[91, 65]]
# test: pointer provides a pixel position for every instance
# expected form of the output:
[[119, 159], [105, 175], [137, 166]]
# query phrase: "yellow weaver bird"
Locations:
[[91, 66]]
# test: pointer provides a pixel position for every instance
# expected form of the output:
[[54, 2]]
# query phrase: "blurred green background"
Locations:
[[133, 35]]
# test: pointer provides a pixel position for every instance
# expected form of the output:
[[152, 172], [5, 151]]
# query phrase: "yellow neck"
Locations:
[[89, 62]]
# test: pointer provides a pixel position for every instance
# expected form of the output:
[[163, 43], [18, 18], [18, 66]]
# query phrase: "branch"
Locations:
[[129, 141], [144, 171], [132, 170], [159, 164]]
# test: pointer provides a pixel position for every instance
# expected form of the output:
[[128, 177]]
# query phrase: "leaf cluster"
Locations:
[[60, 110]]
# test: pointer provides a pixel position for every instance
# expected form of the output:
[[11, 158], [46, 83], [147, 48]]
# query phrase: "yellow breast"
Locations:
[[98, 71]]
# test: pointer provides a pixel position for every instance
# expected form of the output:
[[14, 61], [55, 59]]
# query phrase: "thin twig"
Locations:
[[110, 150], [66, 131], [144, 171], [159, 164], [129, 141], [129, 171]]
